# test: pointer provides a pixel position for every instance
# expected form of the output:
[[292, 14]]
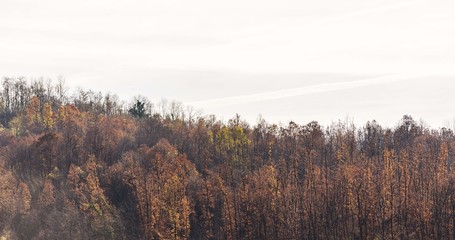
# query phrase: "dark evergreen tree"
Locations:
[[138, 110]]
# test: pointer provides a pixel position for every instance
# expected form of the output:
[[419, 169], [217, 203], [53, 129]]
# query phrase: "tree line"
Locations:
[[89, 166]]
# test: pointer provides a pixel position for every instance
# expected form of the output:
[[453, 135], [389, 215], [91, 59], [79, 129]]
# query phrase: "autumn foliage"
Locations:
[[89, 167]]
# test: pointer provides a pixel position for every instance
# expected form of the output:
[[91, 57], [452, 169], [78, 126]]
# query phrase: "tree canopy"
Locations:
[[87, 166]]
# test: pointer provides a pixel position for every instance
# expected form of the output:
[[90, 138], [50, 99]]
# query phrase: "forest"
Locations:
[[86, 165]]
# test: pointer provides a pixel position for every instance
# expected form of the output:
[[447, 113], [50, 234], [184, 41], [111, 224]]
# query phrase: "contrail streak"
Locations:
[[294, 92]]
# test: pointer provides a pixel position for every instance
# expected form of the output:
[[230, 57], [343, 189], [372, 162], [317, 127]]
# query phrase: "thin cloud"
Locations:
[[330, 19], [301, 91], [371, 10]]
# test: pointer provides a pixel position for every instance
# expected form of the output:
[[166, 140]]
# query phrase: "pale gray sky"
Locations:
[[289, 59]]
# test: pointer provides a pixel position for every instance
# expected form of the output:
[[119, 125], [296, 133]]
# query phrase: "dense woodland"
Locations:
[[84, 165]]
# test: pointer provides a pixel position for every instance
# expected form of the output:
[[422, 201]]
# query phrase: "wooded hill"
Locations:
[[87, 166]]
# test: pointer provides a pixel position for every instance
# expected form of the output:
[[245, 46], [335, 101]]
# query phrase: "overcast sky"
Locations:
[[287, 60]]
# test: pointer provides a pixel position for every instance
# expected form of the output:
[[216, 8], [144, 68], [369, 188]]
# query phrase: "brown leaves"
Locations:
[[15, 197], [158, 177], [47, 196]]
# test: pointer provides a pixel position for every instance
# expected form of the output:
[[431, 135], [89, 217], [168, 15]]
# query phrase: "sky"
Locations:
[[283, 60]]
